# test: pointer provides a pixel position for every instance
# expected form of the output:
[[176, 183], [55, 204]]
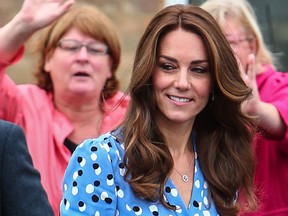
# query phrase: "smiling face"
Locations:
[[79, 73], [181, 80]]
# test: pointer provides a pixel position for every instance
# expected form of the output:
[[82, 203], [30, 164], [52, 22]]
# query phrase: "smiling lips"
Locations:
[[180, 99]]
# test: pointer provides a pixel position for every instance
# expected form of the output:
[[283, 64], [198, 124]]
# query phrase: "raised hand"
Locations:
[[34, 15], [40, 13], [251, 106]]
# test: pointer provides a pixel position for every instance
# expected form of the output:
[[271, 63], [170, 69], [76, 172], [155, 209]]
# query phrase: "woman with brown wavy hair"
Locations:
[[184, 147]]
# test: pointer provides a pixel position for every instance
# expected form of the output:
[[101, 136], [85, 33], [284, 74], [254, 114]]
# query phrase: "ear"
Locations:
[[109, 74], [47, 66], [48, 63]]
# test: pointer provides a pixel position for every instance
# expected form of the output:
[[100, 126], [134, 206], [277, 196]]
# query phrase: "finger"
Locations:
[[241, 69], [63, 8], [240, 65], [251, 66]]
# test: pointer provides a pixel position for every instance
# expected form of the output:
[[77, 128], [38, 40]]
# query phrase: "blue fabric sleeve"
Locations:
[[89, 187]]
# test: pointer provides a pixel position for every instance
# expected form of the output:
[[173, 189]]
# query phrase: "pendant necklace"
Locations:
[[184, 177]]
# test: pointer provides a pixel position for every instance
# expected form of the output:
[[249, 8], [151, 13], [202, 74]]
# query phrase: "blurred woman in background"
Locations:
[[269, 101], [77, 92]]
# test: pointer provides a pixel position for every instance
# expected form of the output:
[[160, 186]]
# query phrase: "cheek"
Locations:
[[56, 63], [160, 81], [102, 68], [204, 89]]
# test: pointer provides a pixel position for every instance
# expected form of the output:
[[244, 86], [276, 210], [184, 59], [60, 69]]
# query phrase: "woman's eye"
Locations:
[[167, 67], [73, 48], [97, 50], [199, 69]]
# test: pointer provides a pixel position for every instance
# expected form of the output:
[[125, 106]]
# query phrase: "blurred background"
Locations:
[[131, 18]]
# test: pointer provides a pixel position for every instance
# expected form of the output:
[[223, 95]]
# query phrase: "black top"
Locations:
[[70, 145]]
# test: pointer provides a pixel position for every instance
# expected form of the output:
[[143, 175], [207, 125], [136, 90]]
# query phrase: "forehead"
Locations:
[[75, 33], [182, 43], [232, 27]]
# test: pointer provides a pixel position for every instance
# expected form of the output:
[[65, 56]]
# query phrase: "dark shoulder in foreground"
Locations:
[[21, 191]]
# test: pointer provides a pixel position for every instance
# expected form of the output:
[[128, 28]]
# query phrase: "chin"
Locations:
[[83, 89], [180, 119]]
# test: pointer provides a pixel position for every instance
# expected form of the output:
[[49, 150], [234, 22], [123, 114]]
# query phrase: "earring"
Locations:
[[212, 95]]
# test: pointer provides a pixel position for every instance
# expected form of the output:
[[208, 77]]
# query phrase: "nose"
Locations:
[[82, 54], [182, 81]]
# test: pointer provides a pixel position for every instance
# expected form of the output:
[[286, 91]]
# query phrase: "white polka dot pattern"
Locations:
[[94, 185]]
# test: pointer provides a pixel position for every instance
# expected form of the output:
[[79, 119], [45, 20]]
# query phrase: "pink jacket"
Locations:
[[46, 128], [271, 154]]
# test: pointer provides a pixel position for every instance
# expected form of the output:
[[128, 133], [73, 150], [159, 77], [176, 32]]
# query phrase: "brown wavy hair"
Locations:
[[90, 21], [224, 133]]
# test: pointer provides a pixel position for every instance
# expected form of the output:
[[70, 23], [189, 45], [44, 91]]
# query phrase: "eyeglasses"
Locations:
[[73, 46], [235, 43]]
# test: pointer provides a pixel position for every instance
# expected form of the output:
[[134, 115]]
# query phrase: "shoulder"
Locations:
[[92, 174], [5, 126], [105, 148], [100, 156], [32, 90], [8, 129], [115, 109], [19, 175], [35, 97], [12, 139], [119, 99], [270, 75], [106, 141]]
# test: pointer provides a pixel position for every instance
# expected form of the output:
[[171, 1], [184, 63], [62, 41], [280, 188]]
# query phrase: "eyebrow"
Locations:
[[175, 60]]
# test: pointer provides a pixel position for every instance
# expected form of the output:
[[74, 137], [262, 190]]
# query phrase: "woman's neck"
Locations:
[[177, 137], [86, 118]]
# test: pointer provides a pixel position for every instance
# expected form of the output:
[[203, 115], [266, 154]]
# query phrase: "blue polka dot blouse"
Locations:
[[94, 185]]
